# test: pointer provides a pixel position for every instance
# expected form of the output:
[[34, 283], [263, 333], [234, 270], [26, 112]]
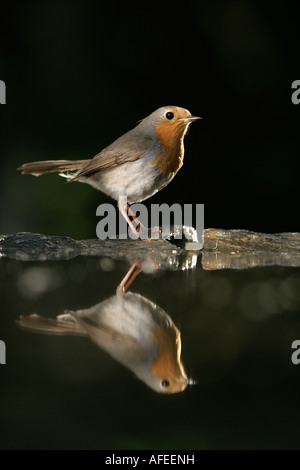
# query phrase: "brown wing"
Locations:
[[127, 148]]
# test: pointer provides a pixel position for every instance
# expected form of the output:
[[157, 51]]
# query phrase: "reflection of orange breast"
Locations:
[[171, 141], [167, 362]]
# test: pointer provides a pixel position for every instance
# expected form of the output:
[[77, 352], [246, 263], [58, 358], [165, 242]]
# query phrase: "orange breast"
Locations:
[[171, 140], [167, 362]]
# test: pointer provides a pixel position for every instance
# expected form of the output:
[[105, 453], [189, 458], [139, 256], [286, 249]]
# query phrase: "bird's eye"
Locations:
[[169, 115], [165, 383]]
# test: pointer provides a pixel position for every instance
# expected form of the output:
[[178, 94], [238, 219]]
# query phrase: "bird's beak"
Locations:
[[187, 381], [192, 118], [190, 381]]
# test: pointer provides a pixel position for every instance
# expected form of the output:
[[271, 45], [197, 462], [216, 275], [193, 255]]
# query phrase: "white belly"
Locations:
[[136, 180]]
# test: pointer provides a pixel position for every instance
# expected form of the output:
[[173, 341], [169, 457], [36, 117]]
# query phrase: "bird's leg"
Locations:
[[139, 225], [123, 210], [134, 270], [141, 228]]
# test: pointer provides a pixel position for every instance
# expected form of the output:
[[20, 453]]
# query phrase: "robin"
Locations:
[[136, 165], [130, 328]]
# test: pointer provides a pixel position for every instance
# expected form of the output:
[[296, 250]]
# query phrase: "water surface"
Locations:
[[236, 325]]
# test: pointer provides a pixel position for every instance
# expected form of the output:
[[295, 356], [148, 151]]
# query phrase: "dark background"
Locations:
[[81, 73]]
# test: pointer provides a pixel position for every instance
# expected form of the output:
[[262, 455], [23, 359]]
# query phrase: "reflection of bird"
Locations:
[[137, 165], [131, 329]]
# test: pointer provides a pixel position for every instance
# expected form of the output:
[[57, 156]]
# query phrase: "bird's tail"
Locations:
[[62, 325], [49, 166]]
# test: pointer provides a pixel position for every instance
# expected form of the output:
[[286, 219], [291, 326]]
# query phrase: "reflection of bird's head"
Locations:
[[167, 372]]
